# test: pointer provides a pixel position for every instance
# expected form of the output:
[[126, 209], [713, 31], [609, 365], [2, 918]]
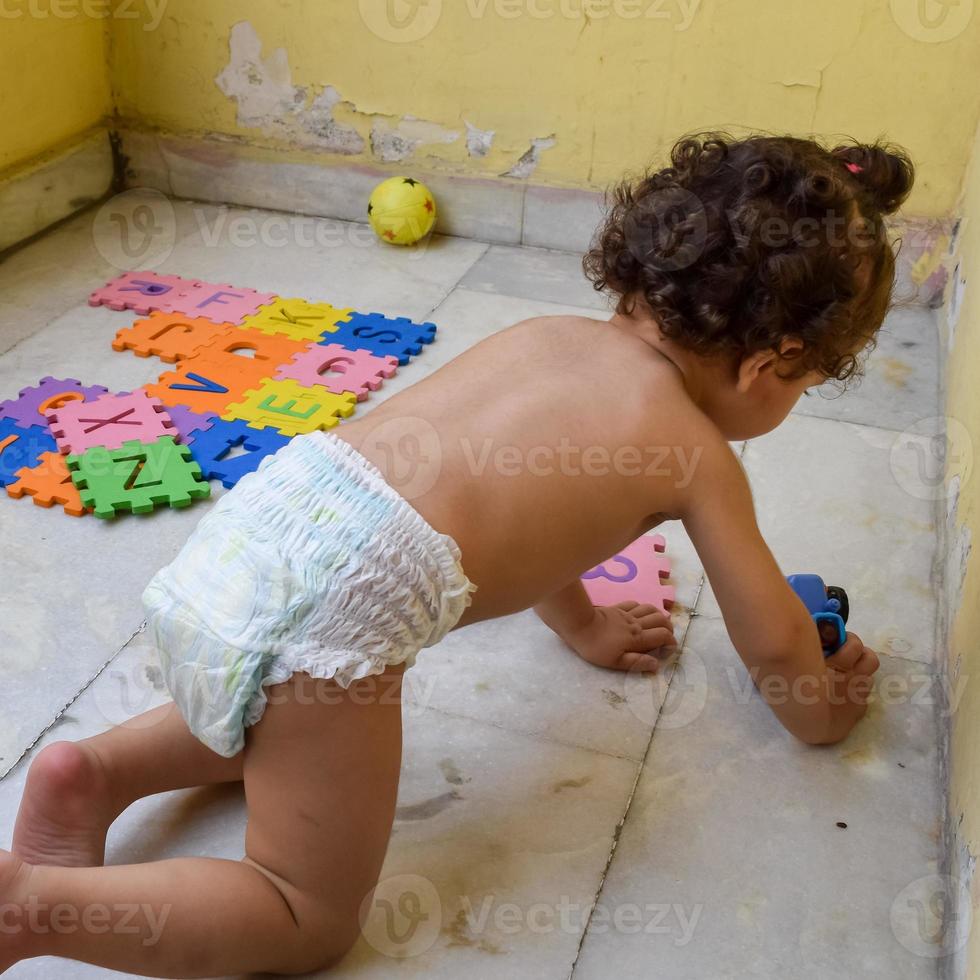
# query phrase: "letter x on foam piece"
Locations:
[[33, 404], [636, 574], [137, 477], [213, 450], [383, 336], [47, 484], [109, 421], [21, 446], [339, 369]]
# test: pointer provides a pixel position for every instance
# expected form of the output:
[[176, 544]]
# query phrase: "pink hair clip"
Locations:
[[855, 168]]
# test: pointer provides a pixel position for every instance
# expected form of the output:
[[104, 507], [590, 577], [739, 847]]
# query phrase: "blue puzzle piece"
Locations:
[[384, 336], [211, 448], [21, 446]]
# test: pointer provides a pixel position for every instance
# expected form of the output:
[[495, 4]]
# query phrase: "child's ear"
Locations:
[[755, 365]]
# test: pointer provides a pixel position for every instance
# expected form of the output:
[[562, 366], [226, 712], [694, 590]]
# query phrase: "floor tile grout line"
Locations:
[[61, 713], [636, 782]]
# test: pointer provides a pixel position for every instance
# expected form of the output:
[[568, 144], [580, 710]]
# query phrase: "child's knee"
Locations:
[[325, 934]]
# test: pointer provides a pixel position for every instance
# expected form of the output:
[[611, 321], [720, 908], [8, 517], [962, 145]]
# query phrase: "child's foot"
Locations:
[[66, 809], [14, 876]]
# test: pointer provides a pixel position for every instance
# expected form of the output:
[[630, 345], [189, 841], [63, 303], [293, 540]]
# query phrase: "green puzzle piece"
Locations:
[[137, 477]]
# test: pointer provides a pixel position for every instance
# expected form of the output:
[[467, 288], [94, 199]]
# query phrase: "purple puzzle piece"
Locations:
[[218, 302], [187, 422], [142, 292], [49, 395]]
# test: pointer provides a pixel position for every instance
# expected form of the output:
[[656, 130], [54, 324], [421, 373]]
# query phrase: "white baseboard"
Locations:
[[54, 188]]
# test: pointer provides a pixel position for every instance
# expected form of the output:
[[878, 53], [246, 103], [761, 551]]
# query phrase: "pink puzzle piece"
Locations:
[[109, 421], [218, 302], [338, 369], [32, 406], [142, 292], [636, 574]]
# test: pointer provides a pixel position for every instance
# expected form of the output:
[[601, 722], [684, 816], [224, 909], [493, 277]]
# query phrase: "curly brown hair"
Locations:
[[739, 244]]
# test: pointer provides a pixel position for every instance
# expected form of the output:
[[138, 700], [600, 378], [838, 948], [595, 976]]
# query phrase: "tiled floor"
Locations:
[[554, 819]]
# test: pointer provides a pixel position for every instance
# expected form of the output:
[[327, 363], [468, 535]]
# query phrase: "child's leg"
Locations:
[[75, 790], [321, 778]]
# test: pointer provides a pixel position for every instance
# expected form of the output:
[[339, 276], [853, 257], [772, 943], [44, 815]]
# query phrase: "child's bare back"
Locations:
[[542, 451]]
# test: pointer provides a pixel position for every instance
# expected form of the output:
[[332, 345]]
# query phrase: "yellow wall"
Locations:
[[612, 90], [963, 407], [54, 79]]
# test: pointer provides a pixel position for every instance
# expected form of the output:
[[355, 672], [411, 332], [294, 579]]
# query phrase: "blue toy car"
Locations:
[[828, 606]]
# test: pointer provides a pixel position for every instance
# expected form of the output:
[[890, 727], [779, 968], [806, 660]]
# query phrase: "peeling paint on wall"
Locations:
[[528, 163], [267, 99], [478, 141], [399, 142]]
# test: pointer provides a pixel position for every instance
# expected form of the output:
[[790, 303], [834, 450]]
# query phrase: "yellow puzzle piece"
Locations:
[[291, 408], [297, 318]]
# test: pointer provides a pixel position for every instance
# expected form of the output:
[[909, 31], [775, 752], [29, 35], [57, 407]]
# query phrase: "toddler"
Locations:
[[747, 271]]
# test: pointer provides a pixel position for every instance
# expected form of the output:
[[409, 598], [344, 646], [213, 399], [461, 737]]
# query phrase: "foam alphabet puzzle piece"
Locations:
[[244, 344], [141, 292], [188, 424], [218, 302], [208, 388], [339, 369], [169, 336], [33, 404], [137, 477], [291, 408], [297, 318], [21, 446], [109, 421], [636, 574], [213, 448], [49, 483], [384, 336]]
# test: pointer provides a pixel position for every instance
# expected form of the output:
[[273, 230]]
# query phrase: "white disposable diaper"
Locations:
[[313, 563]]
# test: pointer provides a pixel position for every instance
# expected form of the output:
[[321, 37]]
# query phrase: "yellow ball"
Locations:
[[402, 211]]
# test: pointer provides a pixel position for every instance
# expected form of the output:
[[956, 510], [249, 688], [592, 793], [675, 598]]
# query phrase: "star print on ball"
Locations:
[[402, 211], [247, 371]]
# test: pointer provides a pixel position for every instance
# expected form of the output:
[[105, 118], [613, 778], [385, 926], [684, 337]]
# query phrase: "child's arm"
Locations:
[[816, 700], [620, 637]]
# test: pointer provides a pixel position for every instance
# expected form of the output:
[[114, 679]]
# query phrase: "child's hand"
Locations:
[[621, 637], [851, 671]]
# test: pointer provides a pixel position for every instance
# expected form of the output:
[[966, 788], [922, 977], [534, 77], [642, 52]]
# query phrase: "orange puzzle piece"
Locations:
[[169, 336], [49, 483], [274, 349], [210, 386]]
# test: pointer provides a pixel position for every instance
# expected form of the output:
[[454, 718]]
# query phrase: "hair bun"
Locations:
[[885, 172]]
